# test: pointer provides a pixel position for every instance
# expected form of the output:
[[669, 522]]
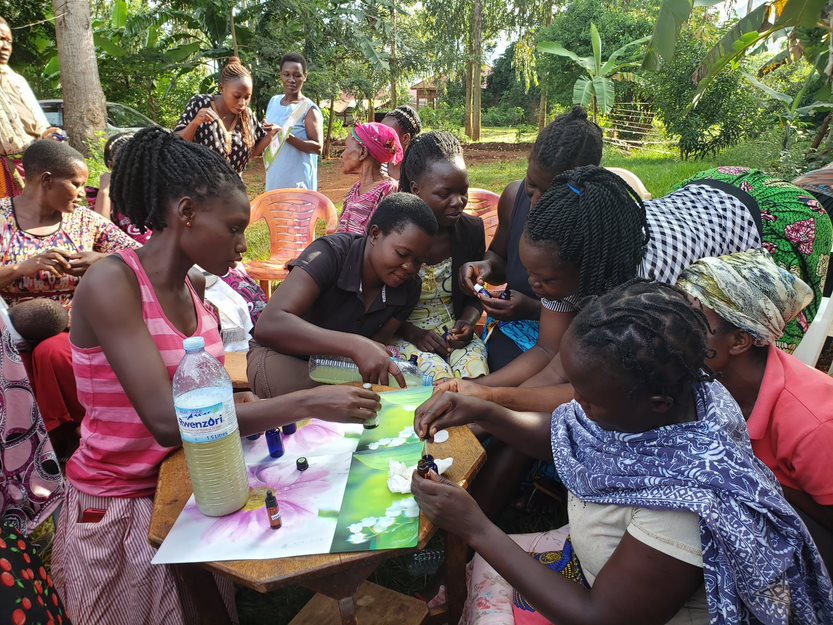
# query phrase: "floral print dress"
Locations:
[[434, 312], [797, 231], [80, 231]]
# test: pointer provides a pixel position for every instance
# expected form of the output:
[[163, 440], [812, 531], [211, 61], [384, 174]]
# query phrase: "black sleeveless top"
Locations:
[[517, 277]]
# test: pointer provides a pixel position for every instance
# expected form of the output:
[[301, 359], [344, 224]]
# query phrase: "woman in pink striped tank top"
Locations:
[[131, 314]]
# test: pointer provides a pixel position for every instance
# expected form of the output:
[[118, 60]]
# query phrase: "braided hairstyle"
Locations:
[[157, 166], [235, 70], [569, 141], [650, 332], [596, 222], [407, 118], [437, 145], [114, 145]]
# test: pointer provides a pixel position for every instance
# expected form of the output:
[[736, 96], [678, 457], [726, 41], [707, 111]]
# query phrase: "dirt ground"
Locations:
[[334, 184]]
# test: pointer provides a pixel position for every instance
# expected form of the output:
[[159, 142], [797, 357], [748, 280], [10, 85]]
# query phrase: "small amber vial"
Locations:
[[273, 511]]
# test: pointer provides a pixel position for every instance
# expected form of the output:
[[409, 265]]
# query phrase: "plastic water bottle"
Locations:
[[204, 403], [339, 370]]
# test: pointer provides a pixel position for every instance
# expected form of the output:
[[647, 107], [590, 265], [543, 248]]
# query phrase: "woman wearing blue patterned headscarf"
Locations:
[[672, 518]]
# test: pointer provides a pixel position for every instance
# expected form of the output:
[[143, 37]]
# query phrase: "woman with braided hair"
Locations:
[[440, 330], [406, 123], [133, 311], [224, 122], [672, 519], [591, 232], [571, 140]]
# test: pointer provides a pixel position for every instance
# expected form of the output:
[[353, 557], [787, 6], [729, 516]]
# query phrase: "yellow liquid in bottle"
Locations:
[[217, 467]]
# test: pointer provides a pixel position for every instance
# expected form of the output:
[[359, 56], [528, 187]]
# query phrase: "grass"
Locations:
[[659, 171]]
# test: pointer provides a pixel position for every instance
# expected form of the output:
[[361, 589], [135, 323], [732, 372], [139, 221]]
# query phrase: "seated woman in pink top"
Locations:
[[132, 313], [367, 148], [788, 406]]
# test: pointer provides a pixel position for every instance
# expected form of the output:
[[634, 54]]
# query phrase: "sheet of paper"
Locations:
[[340, 503]]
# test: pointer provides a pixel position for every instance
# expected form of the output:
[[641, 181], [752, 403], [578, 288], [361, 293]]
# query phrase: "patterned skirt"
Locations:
[[797, 231], [103, 571]]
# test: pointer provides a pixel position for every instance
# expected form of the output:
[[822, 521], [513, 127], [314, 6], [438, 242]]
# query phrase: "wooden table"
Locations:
[[335, 575]]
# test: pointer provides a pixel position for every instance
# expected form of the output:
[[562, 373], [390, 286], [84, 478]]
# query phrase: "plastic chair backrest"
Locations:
[[292, 216], [483, 204], [633, 181]]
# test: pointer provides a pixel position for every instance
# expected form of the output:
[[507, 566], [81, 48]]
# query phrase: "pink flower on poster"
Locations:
[[296, 491]]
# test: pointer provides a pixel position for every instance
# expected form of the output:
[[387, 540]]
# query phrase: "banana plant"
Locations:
[[746, 34], [596, 88], [790, 111]]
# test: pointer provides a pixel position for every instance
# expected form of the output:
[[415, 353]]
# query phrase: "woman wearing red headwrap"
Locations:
[[367, 148]]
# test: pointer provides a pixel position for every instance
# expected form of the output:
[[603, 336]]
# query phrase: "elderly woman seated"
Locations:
[[787, 405]]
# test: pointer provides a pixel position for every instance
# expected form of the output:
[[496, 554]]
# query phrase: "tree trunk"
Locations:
[[85, 113], [469, 90], [477, 77], [329, 139], [233, 33], [543, 103], [822, 132], [394, 96]]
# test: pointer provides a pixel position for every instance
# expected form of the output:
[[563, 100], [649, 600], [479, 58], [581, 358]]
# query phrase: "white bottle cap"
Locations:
[[193, 344]]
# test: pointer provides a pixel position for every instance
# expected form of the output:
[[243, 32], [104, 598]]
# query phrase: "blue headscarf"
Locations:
[[760, 564]]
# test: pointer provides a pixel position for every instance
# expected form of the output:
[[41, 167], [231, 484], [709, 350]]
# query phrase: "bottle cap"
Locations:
[[193, 344], [301, 464], [271, 500]]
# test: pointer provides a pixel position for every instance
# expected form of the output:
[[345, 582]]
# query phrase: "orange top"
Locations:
[[791, 425]]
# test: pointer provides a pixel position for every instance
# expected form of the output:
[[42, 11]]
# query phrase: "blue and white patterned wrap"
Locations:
[[760, 563]]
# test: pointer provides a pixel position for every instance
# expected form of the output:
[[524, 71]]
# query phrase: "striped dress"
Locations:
[[102, 569]]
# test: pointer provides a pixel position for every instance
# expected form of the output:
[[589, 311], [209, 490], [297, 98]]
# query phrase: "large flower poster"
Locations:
[[340, 503]]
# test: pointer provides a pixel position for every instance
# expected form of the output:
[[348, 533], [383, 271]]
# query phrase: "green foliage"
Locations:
[[444, 117], [504, 115], [726, 112], [595, 90], [34, 42], [505, 89], [618, 23], [95, 161], [797, 17]]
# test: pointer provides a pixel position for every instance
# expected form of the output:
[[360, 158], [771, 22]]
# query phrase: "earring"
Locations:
[[187, 224]]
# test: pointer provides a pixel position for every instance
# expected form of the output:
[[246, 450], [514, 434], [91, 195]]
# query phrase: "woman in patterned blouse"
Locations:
[[48, 241], [224, 122]]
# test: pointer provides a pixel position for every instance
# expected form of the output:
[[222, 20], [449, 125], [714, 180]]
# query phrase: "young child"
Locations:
[[131, 314], [346, 295], [668, 507], [440, 330], [38, 319]]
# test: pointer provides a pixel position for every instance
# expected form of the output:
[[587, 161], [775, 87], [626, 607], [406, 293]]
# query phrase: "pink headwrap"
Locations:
[[381, 141]]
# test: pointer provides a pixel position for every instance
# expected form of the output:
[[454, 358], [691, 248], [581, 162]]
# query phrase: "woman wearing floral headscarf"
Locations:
[[367, 148], [788, 406]]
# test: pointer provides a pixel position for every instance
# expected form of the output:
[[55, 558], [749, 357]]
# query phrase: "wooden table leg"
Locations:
[[342, 586], [456, 558], [347, 610], [196, 584]]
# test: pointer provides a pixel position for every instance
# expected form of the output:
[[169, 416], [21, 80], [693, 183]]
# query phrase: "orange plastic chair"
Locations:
[[292, 216], [483, 204]]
